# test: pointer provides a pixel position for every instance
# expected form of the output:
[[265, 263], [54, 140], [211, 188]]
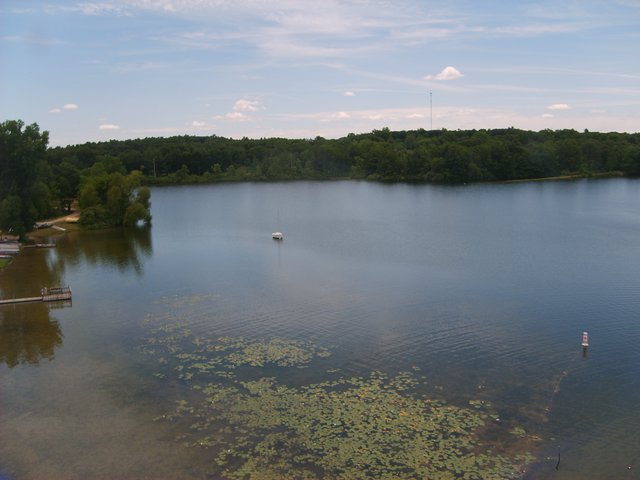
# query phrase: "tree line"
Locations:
[[437, 156], [107, 178], [33, 186]]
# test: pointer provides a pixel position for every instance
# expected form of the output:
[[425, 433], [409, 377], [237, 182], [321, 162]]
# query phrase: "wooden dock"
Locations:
[[41, 245], [9, 248], [54, 294]]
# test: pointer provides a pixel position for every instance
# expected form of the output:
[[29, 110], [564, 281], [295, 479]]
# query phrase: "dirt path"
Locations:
[[71, 217], [70, 220]]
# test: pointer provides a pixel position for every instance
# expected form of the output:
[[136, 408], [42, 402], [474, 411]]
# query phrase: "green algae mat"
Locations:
[[239, 407]]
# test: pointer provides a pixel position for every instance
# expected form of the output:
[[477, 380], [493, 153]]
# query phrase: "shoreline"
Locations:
[[577, 176], [70, 222]]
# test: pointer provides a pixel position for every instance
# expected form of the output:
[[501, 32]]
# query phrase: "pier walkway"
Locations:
[[54, 294]]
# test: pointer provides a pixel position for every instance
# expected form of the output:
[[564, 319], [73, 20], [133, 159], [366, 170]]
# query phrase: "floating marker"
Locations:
[[585, 339]]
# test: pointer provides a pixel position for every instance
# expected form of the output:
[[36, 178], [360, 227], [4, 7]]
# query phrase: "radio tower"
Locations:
[[431, 108]]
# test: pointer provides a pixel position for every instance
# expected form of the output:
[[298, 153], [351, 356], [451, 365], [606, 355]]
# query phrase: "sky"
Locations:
[[120, 69]]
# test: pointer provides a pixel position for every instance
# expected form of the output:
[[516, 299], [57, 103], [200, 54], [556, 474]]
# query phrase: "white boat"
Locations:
[[277, 235]]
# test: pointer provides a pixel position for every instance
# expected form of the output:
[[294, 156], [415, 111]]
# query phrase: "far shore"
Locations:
[[576, 176]]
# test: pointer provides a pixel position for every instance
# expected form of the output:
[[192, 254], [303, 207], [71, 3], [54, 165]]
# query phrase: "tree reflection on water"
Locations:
[[123, 248], [28, 332]]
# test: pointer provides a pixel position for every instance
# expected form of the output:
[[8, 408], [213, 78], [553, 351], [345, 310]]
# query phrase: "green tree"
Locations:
[[419, 155], [66, 181], [23, 198], [631, 160], [143, 195], [11, 213], [114, 199]]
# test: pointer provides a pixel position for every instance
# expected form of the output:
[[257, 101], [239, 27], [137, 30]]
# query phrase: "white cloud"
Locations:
[[349, 94], [244, 105], [237, 116], [415, 115], [68, 106], [197, 124], [241, 108], [341, 115], [448, 73], [548, 115], [559, 106], [289, 28], [101, 8], [331, 116], [109, 126]]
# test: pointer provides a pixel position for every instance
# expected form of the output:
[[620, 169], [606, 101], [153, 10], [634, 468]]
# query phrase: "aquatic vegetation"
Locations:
[[375, 426], [194, 355], [278, 351], [358, 428]]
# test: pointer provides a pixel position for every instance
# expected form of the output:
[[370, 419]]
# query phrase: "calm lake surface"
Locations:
[[481, 292]]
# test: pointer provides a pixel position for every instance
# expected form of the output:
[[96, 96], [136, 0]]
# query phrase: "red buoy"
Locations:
[[585, 339]]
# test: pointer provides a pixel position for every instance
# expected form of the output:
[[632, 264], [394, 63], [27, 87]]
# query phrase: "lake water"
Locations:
[[475, 296]]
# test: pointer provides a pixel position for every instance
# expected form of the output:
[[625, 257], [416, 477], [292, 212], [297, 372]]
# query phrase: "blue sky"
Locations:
[[116, 69]]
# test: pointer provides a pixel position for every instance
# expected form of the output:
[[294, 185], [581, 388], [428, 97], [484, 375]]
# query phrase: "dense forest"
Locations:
[[32, 187], [439, 156], [108, 178]]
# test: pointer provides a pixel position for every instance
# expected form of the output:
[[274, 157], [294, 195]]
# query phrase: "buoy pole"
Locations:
[[585, 343]]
